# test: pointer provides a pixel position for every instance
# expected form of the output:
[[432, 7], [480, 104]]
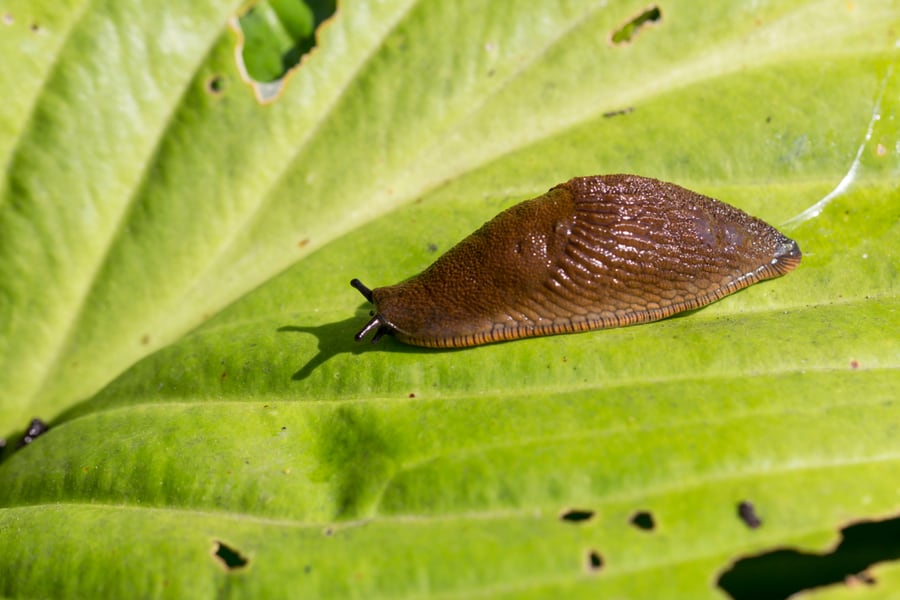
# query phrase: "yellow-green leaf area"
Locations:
[[175, 260]]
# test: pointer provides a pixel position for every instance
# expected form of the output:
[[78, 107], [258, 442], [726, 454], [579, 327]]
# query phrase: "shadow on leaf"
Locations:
[[337, 338]]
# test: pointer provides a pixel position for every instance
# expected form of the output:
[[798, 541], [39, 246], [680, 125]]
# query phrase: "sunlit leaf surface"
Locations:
[[174, 301]]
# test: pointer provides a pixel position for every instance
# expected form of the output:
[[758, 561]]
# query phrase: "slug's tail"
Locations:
[[787, 256]]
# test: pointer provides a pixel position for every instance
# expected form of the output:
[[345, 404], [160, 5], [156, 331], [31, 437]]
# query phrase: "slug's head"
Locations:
[[378, 323]]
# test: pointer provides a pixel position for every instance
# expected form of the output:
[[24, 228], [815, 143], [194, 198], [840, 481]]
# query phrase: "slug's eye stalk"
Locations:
[[366, 292], [378, 323]]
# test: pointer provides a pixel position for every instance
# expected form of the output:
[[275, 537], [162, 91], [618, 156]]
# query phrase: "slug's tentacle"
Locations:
[[366, 292], [380, 332], [376, 322]]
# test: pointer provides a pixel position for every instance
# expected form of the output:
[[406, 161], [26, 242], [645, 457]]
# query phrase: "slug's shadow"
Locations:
[[337, 338]]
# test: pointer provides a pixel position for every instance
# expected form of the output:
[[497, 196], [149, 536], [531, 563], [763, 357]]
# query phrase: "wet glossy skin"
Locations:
[[591, 253]]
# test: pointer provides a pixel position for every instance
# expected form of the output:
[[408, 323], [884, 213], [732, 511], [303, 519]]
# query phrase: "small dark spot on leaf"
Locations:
[[769, 119], [215, 84], [626, 32], [782, 573], [231, 559], [643, 519], [307, 569], [145, 339], [35, 429], [302, 243], [224, 375], [328, 531], [747, 513], [412, 395], [616, 113], [854, 364], [35, 27], [432, 248], [594, 561], [284, 427], [576, 515]]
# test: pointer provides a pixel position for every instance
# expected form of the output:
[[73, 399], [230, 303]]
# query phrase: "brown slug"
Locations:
[[593, 252]]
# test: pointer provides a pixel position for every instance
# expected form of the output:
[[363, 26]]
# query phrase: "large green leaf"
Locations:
[[174, 300]]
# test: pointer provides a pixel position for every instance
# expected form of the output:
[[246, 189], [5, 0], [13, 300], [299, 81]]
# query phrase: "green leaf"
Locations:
[[174, 301]]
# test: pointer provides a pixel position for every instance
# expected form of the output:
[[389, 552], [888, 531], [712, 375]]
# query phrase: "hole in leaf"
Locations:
[[643, 520], [575, 515], [626, 32], [594, 561], [215, 85], [35, 429], [276, 35], [231, 558], [782, 573], [747, 513]]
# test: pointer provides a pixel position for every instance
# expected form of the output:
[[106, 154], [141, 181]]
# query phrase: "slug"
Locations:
[[591, 253]]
